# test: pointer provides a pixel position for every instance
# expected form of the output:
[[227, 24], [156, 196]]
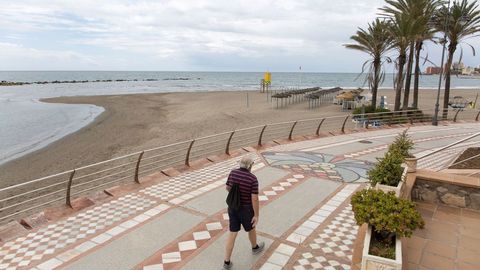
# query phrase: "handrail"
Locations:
[[189, 141], [110, 160], [464, 160], [450, 145], [159, 157], [34, 181]]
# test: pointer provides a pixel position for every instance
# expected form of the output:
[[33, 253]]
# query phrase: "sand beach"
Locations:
[[141, 121]]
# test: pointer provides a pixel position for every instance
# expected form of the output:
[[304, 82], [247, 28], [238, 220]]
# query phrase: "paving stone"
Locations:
[[212, 256], [190, 181], [270, 266], [214, 201], [154, 267], [50, 264], [102, 238], [294, 204], [68, 255], [171, 257], [86, 246], [187, 245], [285, 249], [201, 235], [131, 249], [279, 259], [214, 226]]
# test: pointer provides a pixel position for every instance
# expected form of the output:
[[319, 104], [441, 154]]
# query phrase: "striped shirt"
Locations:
[[247, 182]]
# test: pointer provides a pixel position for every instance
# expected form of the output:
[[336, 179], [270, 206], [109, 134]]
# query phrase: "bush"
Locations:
[[388, 170], [369, 109], [402, 144], [386, 213]]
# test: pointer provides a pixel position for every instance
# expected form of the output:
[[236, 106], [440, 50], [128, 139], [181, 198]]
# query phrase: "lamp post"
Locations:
[[444, 41]]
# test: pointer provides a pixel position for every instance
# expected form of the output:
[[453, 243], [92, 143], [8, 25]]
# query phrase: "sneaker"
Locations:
[[227, 266], [259, 248]]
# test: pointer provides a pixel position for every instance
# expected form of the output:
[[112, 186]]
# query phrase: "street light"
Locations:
[[444, 41]]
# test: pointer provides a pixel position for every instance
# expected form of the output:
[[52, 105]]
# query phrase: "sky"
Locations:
[[190, 35]]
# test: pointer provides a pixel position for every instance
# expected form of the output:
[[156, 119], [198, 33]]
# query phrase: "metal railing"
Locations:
[[29, 197], [436, 159]]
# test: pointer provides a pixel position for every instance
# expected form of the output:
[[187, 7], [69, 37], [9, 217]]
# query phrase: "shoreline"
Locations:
[[82, 117], [134, 122]]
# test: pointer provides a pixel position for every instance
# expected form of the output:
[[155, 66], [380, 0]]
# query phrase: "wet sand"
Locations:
[[141, 121]]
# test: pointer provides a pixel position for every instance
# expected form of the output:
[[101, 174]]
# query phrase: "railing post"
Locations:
[[411, 118], [187, 158], [455, 117], [367, 122], [291, 131], [137, 167], [227, 148], [261, 135], [390, 122], [478, 114], [318, 128], [344, 122], [69, 187]]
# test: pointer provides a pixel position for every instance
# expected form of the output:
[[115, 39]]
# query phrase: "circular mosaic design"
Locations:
[[320, 165]]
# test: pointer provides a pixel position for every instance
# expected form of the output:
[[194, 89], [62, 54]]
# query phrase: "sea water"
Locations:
[[26, 124]]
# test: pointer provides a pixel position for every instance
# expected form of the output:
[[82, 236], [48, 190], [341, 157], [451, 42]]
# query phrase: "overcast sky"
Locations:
[[197, 35]]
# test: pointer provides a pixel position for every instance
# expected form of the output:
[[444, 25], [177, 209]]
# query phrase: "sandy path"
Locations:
[[141, 121]]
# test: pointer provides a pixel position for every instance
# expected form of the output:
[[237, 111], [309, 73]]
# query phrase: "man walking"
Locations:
[[248, 214]]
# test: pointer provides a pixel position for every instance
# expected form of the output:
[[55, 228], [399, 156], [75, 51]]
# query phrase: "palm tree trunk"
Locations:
[[376, 82], [408, 80], [418, 49], [448, 71], [398, 90]]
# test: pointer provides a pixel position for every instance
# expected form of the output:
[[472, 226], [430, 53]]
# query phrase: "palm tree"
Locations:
[[402, 31], [375, 41], [419, 11], [426, 32], [462, 22]]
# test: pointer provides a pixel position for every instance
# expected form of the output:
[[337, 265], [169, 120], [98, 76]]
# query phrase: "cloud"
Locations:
[[177, 34], [42, 59]]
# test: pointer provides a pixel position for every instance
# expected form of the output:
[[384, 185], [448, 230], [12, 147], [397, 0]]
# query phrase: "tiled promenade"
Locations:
[[181, 223]]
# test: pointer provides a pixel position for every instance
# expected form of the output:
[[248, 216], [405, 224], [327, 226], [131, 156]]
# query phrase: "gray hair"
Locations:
[[246, 162]]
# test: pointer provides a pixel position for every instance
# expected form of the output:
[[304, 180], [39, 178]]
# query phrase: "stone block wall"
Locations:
[[444, 193]]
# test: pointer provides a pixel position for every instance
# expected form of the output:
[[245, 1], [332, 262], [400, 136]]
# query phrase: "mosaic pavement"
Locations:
[[320, 165], [321, 239]]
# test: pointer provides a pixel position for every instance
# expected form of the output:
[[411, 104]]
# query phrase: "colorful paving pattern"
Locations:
[[323, 238], [320, 165]]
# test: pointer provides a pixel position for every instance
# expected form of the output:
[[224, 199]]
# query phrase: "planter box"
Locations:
[[398, 189], [411, 164], [372, 262]]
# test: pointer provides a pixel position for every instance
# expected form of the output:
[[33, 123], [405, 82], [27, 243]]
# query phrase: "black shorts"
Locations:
[[242, 216]]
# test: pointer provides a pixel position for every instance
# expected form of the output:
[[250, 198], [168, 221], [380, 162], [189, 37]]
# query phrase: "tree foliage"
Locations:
[[459, 23], [403, 144], [386, 213], [376, 42], [388, 170]]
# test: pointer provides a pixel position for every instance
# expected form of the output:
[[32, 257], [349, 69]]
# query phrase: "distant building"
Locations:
[[433, 70], [467, 71], [457, 68]]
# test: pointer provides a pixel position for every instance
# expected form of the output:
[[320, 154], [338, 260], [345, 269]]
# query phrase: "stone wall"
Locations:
[[449, 194]]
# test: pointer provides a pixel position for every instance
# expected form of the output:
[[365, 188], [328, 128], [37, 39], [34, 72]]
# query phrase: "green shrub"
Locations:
[[369, 109], [388, 170], [403, 144], [386, 213]]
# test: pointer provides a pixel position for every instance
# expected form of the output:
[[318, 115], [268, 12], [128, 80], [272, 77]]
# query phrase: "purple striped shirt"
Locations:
[[247, 182]]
